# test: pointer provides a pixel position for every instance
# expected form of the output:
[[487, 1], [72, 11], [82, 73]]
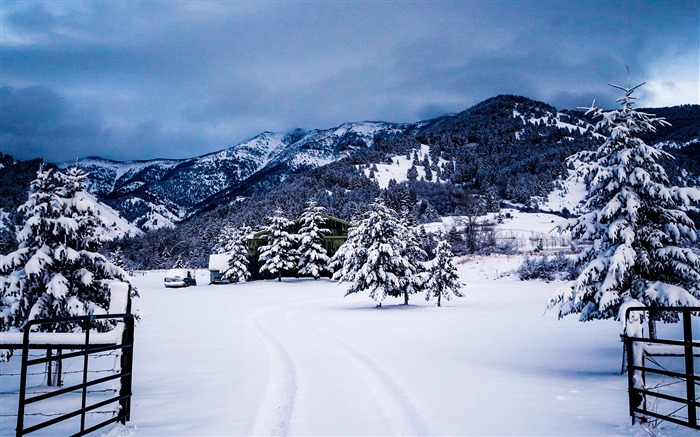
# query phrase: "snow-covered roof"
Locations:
[[174, 273], [218, 262]]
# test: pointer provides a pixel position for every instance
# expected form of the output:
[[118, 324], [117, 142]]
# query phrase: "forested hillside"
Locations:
[[505, 148]]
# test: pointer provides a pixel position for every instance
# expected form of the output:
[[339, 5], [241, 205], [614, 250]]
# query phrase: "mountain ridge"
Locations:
[[511, 142], [476, 140]]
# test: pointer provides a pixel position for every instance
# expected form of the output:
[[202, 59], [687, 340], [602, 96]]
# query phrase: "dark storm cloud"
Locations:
[[36, 121], [177, 79]]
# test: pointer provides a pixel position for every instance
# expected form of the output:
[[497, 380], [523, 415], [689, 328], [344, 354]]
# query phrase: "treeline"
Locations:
[[486, 151]]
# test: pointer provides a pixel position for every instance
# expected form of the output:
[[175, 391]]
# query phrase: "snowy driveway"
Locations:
[[295, 358]]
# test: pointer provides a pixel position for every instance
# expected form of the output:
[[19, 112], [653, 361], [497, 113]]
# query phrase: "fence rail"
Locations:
[[83, 350]]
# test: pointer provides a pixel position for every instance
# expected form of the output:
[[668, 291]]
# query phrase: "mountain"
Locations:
[[159, 193], [511, 143]]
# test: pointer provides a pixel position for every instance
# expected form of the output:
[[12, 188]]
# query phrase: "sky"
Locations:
[[175, 79]]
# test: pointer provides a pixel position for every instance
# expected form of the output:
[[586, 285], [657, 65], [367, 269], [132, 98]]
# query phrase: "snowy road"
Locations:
[[315, 371], [295, 358]]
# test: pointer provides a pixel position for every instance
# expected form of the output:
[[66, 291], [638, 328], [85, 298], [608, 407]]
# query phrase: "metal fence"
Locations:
[[82, 352], [664, 391]]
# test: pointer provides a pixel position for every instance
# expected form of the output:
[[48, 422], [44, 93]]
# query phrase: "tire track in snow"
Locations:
[[391, 398], [278, 400]]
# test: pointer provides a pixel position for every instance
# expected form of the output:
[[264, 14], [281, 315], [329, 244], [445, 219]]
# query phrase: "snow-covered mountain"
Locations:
[[157, 193], [116, 225], [511, 142]]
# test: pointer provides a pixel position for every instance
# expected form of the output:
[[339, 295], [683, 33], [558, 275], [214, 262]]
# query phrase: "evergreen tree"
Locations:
[[412, 173], [57, 270], [637, 224], [491, 198], [279, 253], [237, 249], [428, 171], [435, 154], [116, 257], [314, 258], [413, 253], [442, 279], [377, 256]]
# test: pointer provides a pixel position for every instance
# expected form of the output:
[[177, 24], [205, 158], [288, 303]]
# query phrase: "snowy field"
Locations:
[[296, 358]]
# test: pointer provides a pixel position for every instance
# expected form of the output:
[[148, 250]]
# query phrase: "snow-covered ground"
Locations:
[[296, 358], [398, 170], [568, 193], [522, 231]]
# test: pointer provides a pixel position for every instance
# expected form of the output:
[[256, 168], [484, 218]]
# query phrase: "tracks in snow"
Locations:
[[281, 327], [278, 400]]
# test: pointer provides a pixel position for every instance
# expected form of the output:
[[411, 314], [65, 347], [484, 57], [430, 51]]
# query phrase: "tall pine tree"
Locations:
[[637, 225], [57, 270], [237, 270], [313, 259], [279, 254], [378, 256]]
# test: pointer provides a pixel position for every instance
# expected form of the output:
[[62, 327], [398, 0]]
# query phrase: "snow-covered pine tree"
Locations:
[[491, 199], [412, 173], [117, 258], [428, 173], [442, 279], [413, 252], [279, 253], [377, 256], [637, 225], [237, 249], [313, 259], [56, 271]]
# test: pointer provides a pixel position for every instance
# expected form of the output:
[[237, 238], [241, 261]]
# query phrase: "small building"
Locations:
[[218, 264], [332, 242]]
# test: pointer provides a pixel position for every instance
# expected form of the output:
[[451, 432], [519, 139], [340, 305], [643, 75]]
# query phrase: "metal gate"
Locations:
[[668, 391], [83, 350]]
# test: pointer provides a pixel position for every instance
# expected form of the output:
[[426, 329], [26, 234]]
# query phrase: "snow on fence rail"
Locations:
[[668, 391], [66, 404], [56, 384]]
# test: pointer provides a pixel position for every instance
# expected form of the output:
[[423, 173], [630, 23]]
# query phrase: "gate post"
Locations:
[[689, 367], [126, 363]]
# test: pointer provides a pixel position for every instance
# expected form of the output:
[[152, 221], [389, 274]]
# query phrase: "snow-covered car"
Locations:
[[179, 278]]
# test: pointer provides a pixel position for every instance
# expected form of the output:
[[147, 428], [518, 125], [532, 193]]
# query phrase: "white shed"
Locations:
[[218, 264]]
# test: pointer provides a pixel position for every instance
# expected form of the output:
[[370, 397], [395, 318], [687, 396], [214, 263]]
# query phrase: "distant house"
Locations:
[[332, 241], [218, 263]]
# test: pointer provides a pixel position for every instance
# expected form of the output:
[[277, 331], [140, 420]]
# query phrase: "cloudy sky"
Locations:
[[147, 79]]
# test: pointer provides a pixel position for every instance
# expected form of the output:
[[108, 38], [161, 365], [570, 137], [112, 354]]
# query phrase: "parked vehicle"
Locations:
[[179, 278]]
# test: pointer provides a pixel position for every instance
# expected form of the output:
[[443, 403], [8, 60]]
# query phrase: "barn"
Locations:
[[218, 263], [332, 241]]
